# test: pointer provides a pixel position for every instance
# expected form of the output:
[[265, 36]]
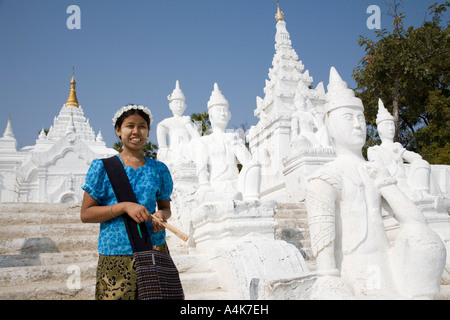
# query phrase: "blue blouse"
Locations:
[[150, 182]]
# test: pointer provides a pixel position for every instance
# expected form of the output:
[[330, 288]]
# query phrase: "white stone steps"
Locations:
[[186, 263], [47, 230], [59, 273], [38, 218], [196, 287], [39, 208], [291, 205], [39, 242], [297, 216], [73, 257], [194, 283], [38, 213], [48, 291], [199, 281], [45, 245], [292, 224], [19, 260], [216, 294], [292, 227], [43, 259]]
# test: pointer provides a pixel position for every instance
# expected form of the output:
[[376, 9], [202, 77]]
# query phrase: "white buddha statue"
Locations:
[[175, 133], [218, 154], [415, 180], [344, 200], [307, 125]]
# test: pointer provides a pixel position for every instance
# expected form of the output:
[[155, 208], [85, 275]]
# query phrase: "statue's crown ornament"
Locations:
[[339, 95], [217, 98], [177, 94], [383, 114]]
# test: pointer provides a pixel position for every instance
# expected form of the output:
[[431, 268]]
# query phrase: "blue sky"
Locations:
[[133, 52]]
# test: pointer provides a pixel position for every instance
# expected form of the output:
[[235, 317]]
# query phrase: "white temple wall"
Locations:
[[440, 179], [7, 186], [269, 146]]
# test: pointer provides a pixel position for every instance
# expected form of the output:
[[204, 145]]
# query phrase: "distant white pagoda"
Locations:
[[270, 139], [284, 76], [53, 170]]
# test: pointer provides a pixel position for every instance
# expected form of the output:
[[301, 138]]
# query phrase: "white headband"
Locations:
[[129, 107]]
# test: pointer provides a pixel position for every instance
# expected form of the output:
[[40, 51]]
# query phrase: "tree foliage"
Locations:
[[203, 118], [149, 149], [409, 69]]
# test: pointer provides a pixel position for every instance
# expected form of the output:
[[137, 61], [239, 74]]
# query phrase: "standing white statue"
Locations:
[[343, 201], [175, 133], [217, 156], [307, 125], [414, 181]]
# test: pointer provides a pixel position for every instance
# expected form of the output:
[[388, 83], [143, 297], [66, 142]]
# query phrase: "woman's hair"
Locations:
[[130, 112]]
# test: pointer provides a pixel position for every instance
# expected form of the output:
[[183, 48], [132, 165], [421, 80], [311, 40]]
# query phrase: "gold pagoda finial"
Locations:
[[72, 101], [279, 16]]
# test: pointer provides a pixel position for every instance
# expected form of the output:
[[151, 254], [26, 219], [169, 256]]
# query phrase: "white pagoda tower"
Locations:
[[53, 170], [270, 139]]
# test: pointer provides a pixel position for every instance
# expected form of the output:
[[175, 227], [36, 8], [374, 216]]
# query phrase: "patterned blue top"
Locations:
[[150, 182]]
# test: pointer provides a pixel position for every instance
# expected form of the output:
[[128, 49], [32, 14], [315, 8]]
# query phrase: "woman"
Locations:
[[152, 184]]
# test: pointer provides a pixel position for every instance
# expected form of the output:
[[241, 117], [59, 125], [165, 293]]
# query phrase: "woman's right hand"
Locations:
[[137, 212]]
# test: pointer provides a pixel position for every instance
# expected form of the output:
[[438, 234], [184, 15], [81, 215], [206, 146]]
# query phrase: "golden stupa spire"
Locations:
[[279, 16], [72, 101]]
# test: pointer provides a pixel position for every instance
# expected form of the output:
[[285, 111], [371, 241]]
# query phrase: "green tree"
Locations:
[[203, 118], [409, 69], [118, 146], [149, 149]]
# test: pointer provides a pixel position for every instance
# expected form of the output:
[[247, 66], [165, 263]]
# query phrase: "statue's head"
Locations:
[[346, 127], [345, 121], [218, 109], [385, 123], [177, 100], [301, 96], [177, 107]]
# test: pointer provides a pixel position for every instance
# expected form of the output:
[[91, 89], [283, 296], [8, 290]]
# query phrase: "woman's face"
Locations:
[[133, 132]]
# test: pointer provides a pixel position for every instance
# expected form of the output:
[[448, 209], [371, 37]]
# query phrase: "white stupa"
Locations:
[[54, 169], [270, 138]]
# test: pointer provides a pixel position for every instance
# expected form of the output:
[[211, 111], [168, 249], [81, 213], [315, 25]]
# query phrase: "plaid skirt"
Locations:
[[116, 277]]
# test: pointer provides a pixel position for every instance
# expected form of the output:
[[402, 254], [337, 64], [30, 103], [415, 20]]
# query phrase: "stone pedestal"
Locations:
[[299, 165], [183, 173], [185, 184], [216, 223], [239, 238]]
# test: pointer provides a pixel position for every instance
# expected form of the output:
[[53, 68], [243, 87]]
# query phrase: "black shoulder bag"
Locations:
[[157, 275]]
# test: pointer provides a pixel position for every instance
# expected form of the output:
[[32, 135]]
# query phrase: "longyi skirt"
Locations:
[[116, 277]]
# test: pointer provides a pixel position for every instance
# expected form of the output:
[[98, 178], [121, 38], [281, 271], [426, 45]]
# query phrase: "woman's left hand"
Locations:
[[162, 214], [156, 225]]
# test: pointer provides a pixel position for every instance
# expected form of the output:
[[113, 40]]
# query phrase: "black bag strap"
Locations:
[[124, 193]]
